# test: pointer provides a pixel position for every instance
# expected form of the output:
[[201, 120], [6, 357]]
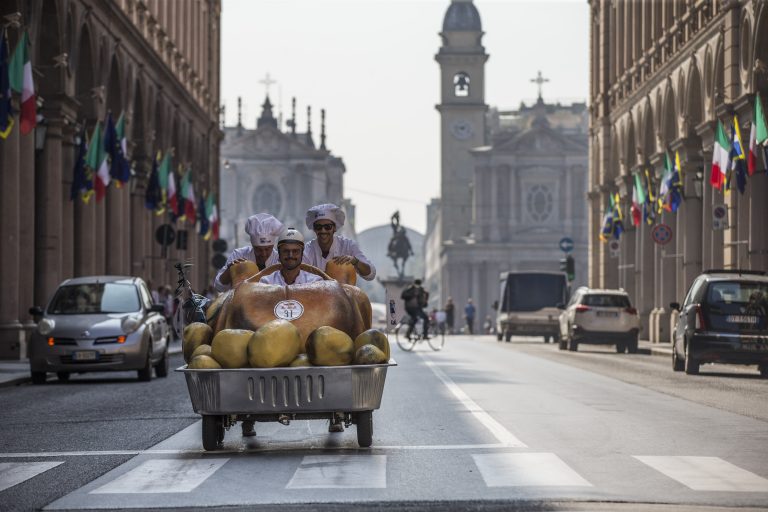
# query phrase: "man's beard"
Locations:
[[291, 264]]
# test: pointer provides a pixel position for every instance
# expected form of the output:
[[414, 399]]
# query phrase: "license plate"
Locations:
[[85, 355], [609, 314], [741, 319], [754, 346]]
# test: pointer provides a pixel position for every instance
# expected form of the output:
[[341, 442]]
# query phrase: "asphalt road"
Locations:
[[481, 425]]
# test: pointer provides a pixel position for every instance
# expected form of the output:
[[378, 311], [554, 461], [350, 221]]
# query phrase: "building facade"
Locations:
[[661, 75], [513, 183], [158, 63], [283, 173]]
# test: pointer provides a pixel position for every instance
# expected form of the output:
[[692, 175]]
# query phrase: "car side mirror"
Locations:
[[157, 308], [675, 305], [560, 305], [36, 312]]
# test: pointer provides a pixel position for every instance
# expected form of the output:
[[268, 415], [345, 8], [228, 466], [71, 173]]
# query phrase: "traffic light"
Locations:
[[563, 264], [570, 267]]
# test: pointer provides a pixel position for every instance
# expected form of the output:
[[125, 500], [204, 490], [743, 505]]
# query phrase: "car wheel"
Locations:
[[621, 347], [63, 376], [161, 368], [678, 364], [39, 377], [546, 339], [145, 374], [691, 366], [763, 368], [632, 346]]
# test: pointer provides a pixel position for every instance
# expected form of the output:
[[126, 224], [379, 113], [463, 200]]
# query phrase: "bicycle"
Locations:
[[408, 343]]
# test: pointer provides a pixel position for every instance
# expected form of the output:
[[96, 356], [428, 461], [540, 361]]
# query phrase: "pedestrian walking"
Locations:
[[449, 312], [469, 315]]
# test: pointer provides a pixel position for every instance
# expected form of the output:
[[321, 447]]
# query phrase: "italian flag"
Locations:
[[96, 159], [188, 193], [757, 135], [20, 77], [213, 218], [638, 198], [719, 157], [209, 213], [163, 172], [173, 201]]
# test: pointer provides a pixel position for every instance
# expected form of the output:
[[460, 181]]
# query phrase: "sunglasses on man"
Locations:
[[323, 227]]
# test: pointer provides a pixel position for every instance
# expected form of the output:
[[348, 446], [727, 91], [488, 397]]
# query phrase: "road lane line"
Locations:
[[505, 437], [527, 470], [706, 473], [162, 476], [340, 472], [13, 473]]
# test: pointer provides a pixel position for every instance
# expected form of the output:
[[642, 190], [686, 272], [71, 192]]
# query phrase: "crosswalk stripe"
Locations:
[[163, 476], [13, 473], [526, 469], [340, 472], [706, 473]]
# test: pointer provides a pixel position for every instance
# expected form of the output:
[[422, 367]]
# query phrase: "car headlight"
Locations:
[[46, 325], [130, 324]]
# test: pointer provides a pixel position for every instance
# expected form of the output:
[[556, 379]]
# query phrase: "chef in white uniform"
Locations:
[[263, 229], [290, 247], [325, 220]]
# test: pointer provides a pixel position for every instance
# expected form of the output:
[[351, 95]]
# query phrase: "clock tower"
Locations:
[[462, 114]]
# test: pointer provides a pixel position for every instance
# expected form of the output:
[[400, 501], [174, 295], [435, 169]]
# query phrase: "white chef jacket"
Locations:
[[277, 278], [246, 253], [341, 246]]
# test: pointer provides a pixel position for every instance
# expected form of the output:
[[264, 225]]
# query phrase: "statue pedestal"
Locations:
[[393, 287]]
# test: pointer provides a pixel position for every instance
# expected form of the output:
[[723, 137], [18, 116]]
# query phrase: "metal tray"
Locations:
[[287, 390]]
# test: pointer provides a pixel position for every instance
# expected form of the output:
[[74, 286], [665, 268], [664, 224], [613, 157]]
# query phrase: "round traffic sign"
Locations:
[[720, 211], [661, 234], [566, 244], [165, 234], [614, 245]]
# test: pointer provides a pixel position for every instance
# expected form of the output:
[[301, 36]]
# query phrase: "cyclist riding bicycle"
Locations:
[[416, 299]]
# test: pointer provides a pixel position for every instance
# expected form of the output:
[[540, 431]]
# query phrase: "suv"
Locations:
[[603, 317], [723, 320]]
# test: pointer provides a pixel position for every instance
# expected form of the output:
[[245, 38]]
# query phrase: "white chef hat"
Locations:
[[327, 211], [263, 229]]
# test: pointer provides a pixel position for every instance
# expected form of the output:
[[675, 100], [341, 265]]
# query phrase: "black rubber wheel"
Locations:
[[161, 368], [621, 347], [632, 346], [546, 339], [364, 428], [763, 369], [213, 432], [691, 365], [678, 364], [145, 374], [63, 376], [39, 377], [436, 342]]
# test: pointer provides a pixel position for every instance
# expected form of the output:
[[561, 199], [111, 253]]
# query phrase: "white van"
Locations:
[[528, 304]]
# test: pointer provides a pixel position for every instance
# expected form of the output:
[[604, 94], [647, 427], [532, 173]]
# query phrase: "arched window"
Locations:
[[461, 84], [539, 203]]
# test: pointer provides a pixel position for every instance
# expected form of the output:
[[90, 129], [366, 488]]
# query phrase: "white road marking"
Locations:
[[340, 472], [526, 469], [163, 476], [706, 473], [13, 473], [507, 438]]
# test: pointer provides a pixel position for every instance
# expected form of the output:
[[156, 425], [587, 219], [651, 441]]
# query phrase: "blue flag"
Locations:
[[6, 110], [738, 162], [82, 185]]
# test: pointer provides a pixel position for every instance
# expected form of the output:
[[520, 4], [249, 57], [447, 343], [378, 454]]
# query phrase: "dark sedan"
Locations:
[[723, 320], [99, 323]]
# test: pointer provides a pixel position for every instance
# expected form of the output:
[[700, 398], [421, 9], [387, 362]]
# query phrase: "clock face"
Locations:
[[462, 129]]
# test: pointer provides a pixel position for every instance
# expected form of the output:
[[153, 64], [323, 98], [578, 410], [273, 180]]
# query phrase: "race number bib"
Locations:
[[289, 309]]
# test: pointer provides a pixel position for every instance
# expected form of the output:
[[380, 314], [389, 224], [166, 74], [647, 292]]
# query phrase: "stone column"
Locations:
[[115, 225], [27, 213], [10, 259]]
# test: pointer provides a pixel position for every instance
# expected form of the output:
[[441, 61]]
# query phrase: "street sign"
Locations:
[[165, 235], [719, 217], [661, 234], [614, 246], [566, 244]]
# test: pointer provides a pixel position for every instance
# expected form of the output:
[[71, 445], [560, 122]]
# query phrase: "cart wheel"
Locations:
[[365, 428], [213, 432]]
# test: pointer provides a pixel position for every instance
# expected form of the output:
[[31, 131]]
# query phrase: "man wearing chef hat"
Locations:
[[325, 220], [263, 230]]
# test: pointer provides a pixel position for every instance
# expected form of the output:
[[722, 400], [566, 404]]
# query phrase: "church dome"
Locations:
[[462, 15]]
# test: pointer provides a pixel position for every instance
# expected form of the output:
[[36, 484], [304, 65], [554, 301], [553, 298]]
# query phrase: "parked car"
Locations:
[[723, 320], [99, 323], [528, 302], [603, 317]]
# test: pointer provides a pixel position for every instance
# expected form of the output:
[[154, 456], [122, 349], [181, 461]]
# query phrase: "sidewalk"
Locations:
[[654, 349], [17, 371]]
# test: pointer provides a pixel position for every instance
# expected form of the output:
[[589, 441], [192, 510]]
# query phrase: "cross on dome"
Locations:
[[267, 81], [539, 80]]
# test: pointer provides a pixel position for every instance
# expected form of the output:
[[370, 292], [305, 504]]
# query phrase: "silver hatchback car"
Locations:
[[99, 323]]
